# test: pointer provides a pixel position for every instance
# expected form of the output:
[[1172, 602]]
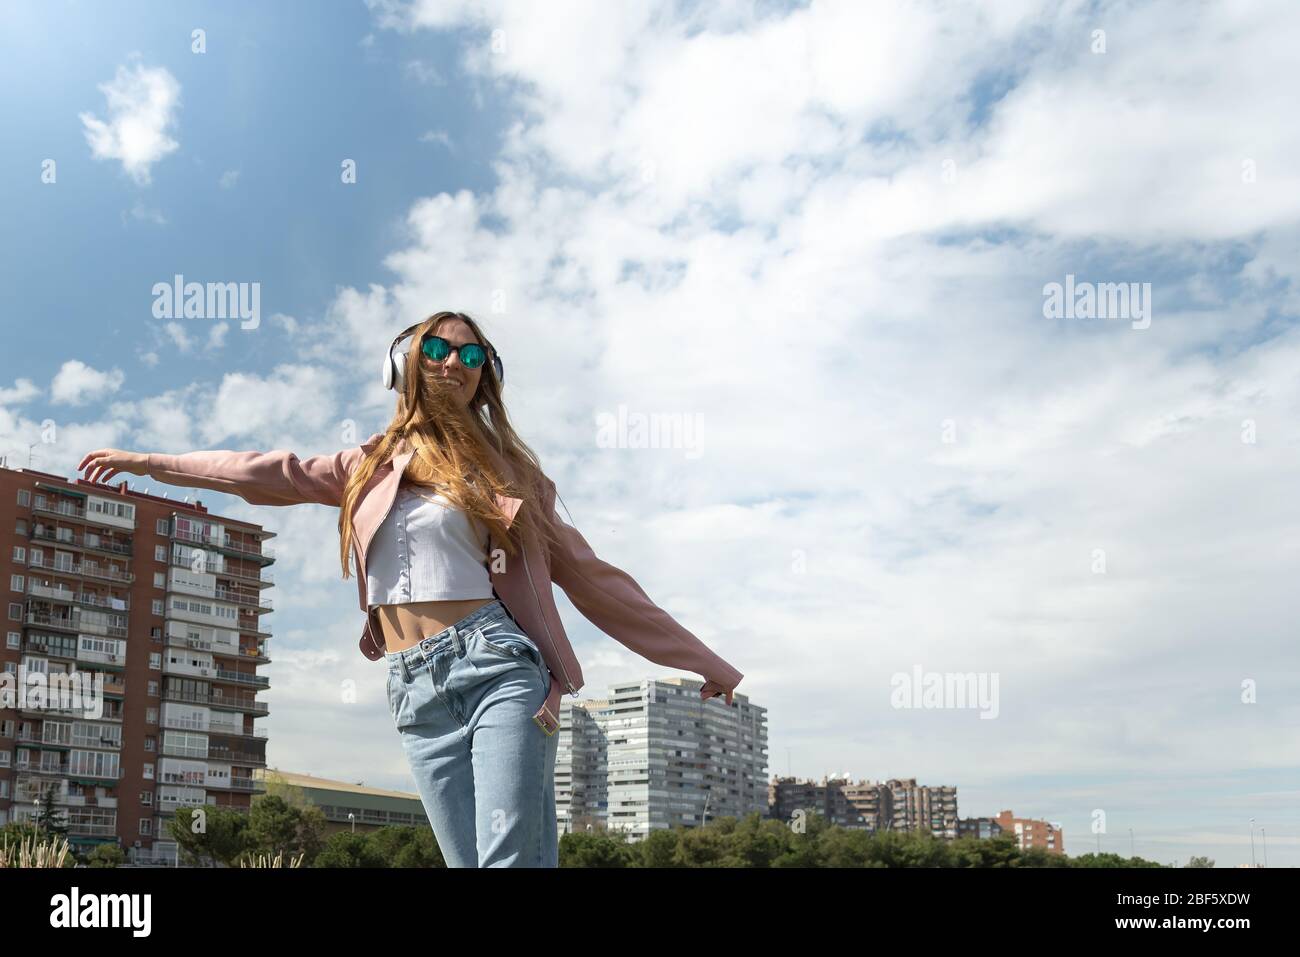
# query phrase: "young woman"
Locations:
[[456, 541]]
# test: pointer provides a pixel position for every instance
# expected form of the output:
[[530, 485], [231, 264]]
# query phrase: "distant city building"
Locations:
[[652, 755], [160, 600], [371, 808], [1030, 833], [978, 827], [896, 804]]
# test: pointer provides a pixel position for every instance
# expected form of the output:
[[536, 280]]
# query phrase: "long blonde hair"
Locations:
[[449, 442]]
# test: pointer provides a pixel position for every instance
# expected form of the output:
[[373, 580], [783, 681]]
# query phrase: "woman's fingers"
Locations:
[[103, 464]]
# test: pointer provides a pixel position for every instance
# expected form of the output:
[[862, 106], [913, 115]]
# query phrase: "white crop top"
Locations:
[[426, 550]]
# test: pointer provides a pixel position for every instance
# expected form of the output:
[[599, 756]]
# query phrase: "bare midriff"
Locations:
[[409, 624]]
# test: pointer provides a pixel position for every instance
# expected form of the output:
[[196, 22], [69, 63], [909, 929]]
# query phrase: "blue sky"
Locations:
[[823, 231], [280, 99]]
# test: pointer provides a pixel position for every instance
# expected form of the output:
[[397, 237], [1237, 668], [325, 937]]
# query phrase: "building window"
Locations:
[[14, 640], [148, 772], [153, 689], [151, 716], [21, 526], [20, 553], [164, 526], [157, 606], [16, 582], [145, 825], [24, 497], [155, 660], [160, 553], [150, 744], [146, 799], [15, 611], [159, 579]]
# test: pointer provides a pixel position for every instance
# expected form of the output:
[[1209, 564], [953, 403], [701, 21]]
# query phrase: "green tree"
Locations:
[[49, 818], [345, 849], [106, 855], [278, 827], [596, 849], [209, 835]]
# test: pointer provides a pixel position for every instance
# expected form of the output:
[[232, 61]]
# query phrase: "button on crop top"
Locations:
[[426, 550]]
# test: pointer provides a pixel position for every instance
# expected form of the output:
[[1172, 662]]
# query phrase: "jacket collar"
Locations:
[[508, 504]]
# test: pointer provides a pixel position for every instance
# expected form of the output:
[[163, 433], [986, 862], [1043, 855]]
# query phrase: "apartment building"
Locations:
[[651, 755], [896, 804], [163, 603], [1030, 833]]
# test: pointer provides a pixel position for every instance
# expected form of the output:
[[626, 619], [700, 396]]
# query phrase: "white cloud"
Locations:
[[76, 383], [748, 217], [142, 106], [147, 214], [288, 323], [424, 72], [179, 336], [436, 136], [229, 178], [24, 390]]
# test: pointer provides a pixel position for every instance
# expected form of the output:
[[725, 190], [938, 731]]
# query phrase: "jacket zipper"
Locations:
[[545, 624]]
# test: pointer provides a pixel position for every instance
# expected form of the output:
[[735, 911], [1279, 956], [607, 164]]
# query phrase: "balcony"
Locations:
[[253, 578], [57, 507], [73, 623], [46, 769], [258, 551], [253, 549], [239, 677], [83, 569], [88, 829], [224, 730], [240, 597], [245, 758], [245, 703], [47, 533], [67, 595]]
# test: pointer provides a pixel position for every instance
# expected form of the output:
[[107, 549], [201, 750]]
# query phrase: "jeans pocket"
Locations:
[[506, 642], [396, 694]]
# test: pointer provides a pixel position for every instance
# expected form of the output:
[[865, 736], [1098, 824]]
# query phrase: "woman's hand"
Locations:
[[103, 464], [712, 689]]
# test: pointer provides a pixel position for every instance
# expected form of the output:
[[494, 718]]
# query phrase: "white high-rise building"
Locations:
[[652, 755]]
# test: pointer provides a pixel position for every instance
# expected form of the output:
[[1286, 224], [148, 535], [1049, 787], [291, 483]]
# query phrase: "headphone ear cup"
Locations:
[[500, 369]]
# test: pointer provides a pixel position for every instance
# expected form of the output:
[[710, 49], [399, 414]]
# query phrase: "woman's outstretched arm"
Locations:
[[277, 477], [611, 600]]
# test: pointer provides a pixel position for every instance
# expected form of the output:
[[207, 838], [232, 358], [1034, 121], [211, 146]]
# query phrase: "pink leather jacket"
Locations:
[[606, 596]]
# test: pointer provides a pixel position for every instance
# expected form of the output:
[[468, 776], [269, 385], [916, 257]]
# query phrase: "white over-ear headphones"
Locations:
[[395, 360]]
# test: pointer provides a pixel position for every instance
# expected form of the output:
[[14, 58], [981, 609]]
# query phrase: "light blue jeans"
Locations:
[[463, 700]]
